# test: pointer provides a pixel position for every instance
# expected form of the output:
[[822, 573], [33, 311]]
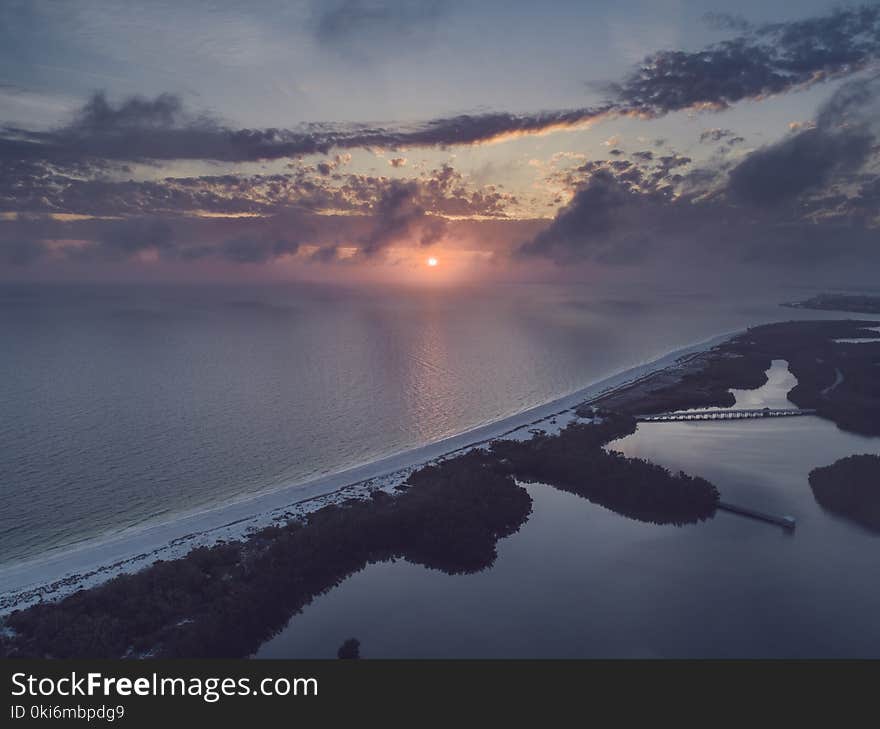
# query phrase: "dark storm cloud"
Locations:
[[841, 142]]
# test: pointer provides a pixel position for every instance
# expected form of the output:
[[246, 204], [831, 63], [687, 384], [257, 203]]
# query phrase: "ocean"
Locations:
[[128, 405]]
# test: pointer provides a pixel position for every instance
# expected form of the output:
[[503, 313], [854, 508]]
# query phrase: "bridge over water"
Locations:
[[735, 414]]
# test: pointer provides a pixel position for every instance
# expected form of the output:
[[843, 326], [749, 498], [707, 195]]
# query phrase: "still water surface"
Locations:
[[581, 581], [126, 405]]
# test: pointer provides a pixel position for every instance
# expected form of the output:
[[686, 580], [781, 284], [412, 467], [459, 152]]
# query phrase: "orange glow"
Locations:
[[585, 121]]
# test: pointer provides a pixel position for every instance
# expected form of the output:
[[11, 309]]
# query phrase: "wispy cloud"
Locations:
[[360, 28], [772, 59]]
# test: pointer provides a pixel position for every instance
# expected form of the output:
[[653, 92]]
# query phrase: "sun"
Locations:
[[432, 261]]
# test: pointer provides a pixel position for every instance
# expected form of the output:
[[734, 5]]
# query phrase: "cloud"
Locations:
[[360, 27], [726, 21], [124, 239], [803, 162], [644, 174], [245, 249], [766, 60], [841, 141], [581, 229], [38, 188], [167, 131], [798, 202], [327, 167], [325, 254], [623, 210], [21, 252], [716, 135], [610, 224], [97, 116], [771, 59], [165, 219], [400, 214], [26, 245], [27, 240]]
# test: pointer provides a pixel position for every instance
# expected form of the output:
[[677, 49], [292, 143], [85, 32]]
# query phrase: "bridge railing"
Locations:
[[732, 414]]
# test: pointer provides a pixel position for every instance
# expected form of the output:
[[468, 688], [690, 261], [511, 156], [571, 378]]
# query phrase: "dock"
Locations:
[[786, 522]]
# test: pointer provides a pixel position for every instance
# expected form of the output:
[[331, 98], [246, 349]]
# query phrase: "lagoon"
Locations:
[[581, 581]]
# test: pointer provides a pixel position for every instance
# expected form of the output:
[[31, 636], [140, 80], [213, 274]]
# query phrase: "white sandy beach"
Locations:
[[57, 574]]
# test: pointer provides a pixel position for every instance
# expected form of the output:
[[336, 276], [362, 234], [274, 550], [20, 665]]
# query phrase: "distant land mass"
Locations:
[[861, 303], [837, 380], [850, 487]]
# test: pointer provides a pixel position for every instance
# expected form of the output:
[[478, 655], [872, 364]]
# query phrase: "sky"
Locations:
[[353, 140]]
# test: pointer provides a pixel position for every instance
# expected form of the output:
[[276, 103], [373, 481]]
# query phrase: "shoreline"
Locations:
[[53, 576]]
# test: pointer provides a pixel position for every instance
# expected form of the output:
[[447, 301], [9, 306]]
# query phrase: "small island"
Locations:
[[850, 488], [576, 461], [858, 303]]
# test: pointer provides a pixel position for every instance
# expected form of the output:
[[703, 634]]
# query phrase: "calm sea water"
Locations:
[[579, 580], [122, 405]]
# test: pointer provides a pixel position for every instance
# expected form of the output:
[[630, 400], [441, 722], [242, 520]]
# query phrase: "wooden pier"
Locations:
[[786, 522]]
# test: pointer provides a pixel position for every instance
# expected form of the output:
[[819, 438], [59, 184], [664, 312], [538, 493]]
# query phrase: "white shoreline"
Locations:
[[53, 576]]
